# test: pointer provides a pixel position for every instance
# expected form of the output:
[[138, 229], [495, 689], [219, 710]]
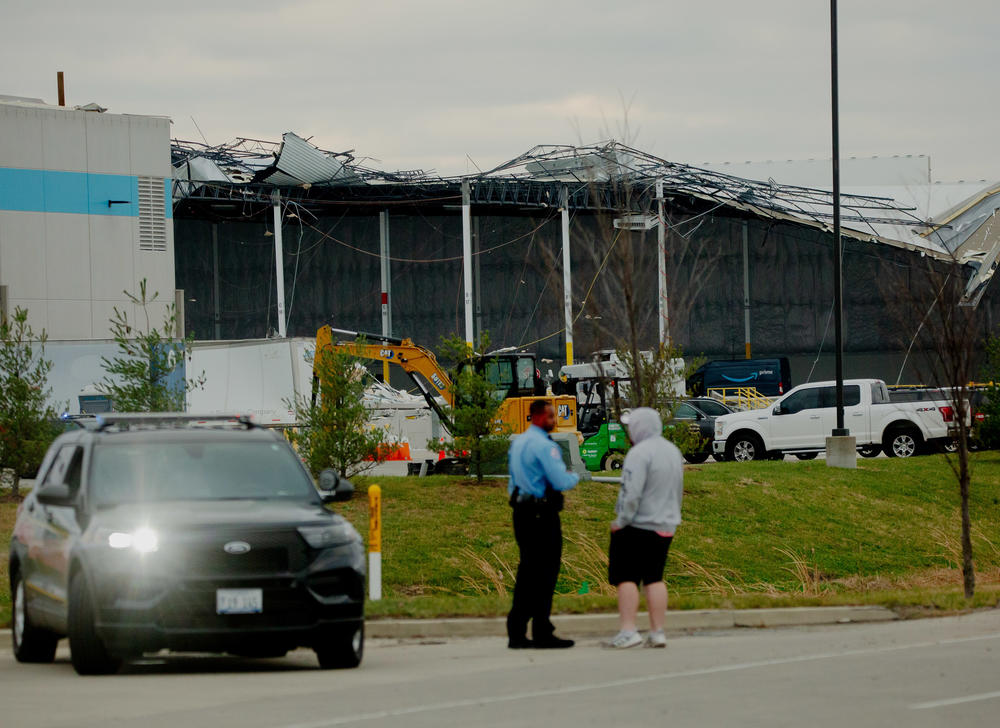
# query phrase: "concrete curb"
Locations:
[[588, 625], [582, 625]]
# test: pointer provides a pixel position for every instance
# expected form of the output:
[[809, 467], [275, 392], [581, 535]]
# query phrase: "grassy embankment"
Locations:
[[757, 534]]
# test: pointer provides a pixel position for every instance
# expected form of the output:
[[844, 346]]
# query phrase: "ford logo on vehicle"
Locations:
[[236, 547]]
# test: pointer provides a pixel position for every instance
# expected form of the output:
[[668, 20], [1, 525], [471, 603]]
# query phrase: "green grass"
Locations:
[[8, 512], [754, 534]]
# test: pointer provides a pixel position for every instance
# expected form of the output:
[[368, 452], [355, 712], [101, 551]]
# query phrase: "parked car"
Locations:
[[799, 422], [701, 412], [145, 533]]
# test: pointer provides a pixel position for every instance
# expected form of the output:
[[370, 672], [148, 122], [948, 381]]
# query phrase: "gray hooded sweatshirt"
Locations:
[[652, 476]]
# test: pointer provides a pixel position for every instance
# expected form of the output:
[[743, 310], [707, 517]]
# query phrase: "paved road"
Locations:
[[918, 673]]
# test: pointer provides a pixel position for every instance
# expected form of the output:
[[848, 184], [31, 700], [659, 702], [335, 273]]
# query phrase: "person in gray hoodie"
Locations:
[[648, 513]]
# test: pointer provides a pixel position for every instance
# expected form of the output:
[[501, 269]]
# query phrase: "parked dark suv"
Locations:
[[700, 413], [149, 532]]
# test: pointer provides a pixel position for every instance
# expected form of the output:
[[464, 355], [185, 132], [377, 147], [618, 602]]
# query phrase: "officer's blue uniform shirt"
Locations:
[[534, 460]]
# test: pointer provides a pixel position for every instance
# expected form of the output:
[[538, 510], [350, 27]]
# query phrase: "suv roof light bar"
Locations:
[[104, 421], [84, 421]]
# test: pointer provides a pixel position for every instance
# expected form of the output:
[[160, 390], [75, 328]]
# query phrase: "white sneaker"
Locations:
[[656, 639], [624, 640]]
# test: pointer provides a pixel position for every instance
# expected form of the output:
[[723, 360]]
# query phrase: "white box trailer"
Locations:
[[76, 370], [253, 377], [257, 377]]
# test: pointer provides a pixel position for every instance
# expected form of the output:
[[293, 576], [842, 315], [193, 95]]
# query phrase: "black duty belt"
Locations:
[[551, 501]]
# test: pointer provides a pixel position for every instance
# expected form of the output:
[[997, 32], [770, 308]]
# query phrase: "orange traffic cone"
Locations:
[[441, 453]]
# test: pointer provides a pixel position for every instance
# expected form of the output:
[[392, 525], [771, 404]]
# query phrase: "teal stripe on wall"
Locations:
[[80, 193]]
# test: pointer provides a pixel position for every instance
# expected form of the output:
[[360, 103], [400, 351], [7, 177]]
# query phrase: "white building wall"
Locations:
[[65, 254]]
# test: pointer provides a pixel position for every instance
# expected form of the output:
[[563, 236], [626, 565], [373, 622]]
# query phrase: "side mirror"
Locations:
[[56, 494], [777, 409], [328, 480], [334, 488]]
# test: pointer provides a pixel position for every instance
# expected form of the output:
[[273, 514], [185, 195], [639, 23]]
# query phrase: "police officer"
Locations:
[[537, 480]]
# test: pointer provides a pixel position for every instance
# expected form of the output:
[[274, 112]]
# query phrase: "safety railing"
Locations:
[[742, 398]]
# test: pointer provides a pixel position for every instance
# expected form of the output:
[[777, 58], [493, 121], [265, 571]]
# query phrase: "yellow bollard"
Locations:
[[374, 543]]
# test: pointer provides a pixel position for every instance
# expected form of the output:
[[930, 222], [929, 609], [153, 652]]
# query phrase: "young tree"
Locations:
[[660, 369], [615, 286], [26, 420], [926, 301], [141, 377], [335, 429], [475, 427]]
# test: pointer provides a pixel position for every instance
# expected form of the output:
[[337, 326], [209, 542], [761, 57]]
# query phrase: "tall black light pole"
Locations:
[[838, 275]]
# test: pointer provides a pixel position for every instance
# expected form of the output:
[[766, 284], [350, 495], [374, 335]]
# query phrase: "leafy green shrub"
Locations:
[[26, 419]]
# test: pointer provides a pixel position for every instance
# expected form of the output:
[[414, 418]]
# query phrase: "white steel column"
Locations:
[[567, 283], [386, 300], [467, 261], [383, 230], [746, 288], [215, 281], [279, 265], [477, 246], [661, 265]]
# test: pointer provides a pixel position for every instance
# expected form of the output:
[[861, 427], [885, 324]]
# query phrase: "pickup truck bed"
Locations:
[[800, 422]]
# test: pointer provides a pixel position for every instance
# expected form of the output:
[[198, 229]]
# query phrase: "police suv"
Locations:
[[147, 532]]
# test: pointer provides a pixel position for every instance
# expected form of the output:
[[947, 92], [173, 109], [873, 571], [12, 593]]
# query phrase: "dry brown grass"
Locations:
[[745, 481], [807, 574], [587, 562], [940, 578], [711, 580], [488, 576]]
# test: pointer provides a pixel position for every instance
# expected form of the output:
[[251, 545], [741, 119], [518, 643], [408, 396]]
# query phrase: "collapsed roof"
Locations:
[[251, 169]]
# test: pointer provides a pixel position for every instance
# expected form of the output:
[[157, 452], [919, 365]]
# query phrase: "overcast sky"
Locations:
[[426, 83]]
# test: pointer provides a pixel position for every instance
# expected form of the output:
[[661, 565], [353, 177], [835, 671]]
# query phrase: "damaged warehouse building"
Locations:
[[746, 269], [557, 251]]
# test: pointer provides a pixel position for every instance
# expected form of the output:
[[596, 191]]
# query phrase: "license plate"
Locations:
[[239, 601]]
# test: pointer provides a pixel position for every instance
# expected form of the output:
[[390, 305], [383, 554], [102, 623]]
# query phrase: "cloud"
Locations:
[[425, 84]]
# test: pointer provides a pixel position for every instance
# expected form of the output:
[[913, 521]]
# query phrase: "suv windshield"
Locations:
[[129, 472]]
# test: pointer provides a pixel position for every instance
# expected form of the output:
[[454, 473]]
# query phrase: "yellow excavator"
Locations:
[[513, 374]]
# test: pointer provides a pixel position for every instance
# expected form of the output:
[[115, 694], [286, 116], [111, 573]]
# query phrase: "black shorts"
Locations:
[[637, 555]]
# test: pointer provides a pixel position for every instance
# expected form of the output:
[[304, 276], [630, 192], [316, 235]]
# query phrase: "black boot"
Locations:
[[552, 643], [519, 643]]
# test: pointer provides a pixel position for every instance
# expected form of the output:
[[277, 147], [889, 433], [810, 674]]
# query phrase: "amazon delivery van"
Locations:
[[770, 377]]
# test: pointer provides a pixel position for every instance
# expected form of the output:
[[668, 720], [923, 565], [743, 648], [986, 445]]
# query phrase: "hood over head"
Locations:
[[643, 423]]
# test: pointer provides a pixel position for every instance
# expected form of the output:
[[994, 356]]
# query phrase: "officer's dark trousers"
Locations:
[[539, 538]]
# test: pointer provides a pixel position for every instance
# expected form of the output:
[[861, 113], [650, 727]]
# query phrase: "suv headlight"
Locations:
[[333, 534], [142, 540]]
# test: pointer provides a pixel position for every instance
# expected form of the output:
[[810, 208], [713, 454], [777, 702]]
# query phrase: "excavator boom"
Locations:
[[433, 381], [413, 359]]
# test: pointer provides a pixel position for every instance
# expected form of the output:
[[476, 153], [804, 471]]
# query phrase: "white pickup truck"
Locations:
[[800, 422]]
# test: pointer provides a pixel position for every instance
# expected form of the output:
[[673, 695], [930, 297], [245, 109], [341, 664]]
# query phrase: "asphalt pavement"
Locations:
[[928, 672]]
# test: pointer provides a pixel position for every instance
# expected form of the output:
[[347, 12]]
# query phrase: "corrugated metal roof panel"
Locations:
[[305, 163], [281, 179]]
